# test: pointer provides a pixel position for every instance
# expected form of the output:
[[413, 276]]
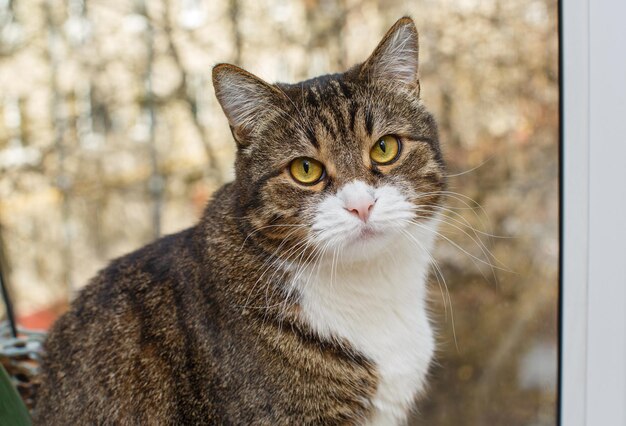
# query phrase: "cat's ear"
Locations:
[[247, 100], [396, 56]]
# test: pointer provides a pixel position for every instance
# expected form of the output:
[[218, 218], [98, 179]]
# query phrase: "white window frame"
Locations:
[[593, 327]]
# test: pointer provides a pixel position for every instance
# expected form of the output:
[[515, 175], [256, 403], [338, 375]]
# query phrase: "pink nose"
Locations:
[[361, 208]]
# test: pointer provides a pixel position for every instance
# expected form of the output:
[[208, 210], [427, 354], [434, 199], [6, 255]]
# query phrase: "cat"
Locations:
[[300, 296]]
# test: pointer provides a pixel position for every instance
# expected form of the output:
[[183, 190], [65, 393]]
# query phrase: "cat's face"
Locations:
[[343, 162]]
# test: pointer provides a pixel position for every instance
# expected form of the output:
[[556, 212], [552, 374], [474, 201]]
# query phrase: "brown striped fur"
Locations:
[[198, 327]]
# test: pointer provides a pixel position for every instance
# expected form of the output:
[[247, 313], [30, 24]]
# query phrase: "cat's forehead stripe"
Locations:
[[340, 89], [329, 125], [369, 121], [311, 137], [341, 117], [353, 111], [333, 109]]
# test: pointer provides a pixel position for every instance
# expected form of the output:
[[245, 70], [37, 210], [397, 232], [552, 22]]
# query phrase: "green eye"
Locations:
[[385, 150], [306, 171]]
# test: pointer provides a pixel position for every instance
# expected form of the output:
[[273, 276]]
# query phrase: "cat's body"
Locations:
[[174, 339], [294, 300]]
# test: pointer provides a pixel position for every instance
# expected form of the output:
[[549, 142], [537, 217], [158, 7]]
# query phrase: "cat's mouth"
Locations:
[[367, 233]]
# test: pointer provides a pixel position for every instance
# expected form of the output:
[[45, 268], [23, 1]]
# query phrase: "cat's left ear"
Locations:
[[248, 102], [396, 56]]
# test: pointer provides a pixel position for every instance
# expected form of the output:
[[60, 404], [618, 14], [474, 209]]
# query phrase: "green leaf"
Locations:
[[12, 409]]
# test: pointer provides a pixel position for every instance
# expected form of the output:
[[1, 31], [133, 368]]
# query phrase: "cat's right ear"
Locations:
[[395, 58], [247, 100]]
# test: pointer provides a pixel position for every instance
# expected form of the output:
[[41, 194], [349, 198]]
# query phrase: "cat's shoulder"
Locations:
[[136, 274]]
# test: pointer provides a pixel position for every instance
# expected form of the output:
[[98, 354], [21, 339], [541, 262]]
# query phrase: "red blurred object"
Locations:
[[43, 319]]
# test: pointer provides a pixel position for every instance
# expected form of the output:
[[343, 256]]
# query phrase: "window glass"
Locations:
[[110, 135]]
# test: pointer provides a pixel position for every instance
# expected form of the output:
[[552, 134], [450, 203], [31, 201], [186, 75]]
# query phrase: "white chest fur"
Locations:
[[379, 307]]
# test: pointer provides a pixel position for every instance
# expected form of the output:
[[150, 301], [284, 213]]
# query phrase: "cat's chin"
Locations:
[[365, 244]]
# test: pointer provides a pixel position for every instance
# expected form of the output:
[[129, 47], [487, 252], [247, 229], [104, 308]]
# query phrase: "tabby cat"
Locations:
[[299, 297]]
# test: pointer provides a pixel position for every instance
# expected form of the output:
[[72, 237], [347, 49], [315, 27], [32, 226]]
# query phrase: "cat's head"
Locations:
[[346, 161]]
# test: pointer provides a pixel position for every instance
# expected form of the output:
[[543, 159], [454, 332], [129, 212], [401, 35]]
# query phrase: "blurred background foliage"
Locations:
[[110, 135]]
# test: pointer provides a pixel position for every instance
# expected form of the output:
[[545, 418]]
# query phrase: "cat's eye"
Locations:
[[385, 150], [306, 171]]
